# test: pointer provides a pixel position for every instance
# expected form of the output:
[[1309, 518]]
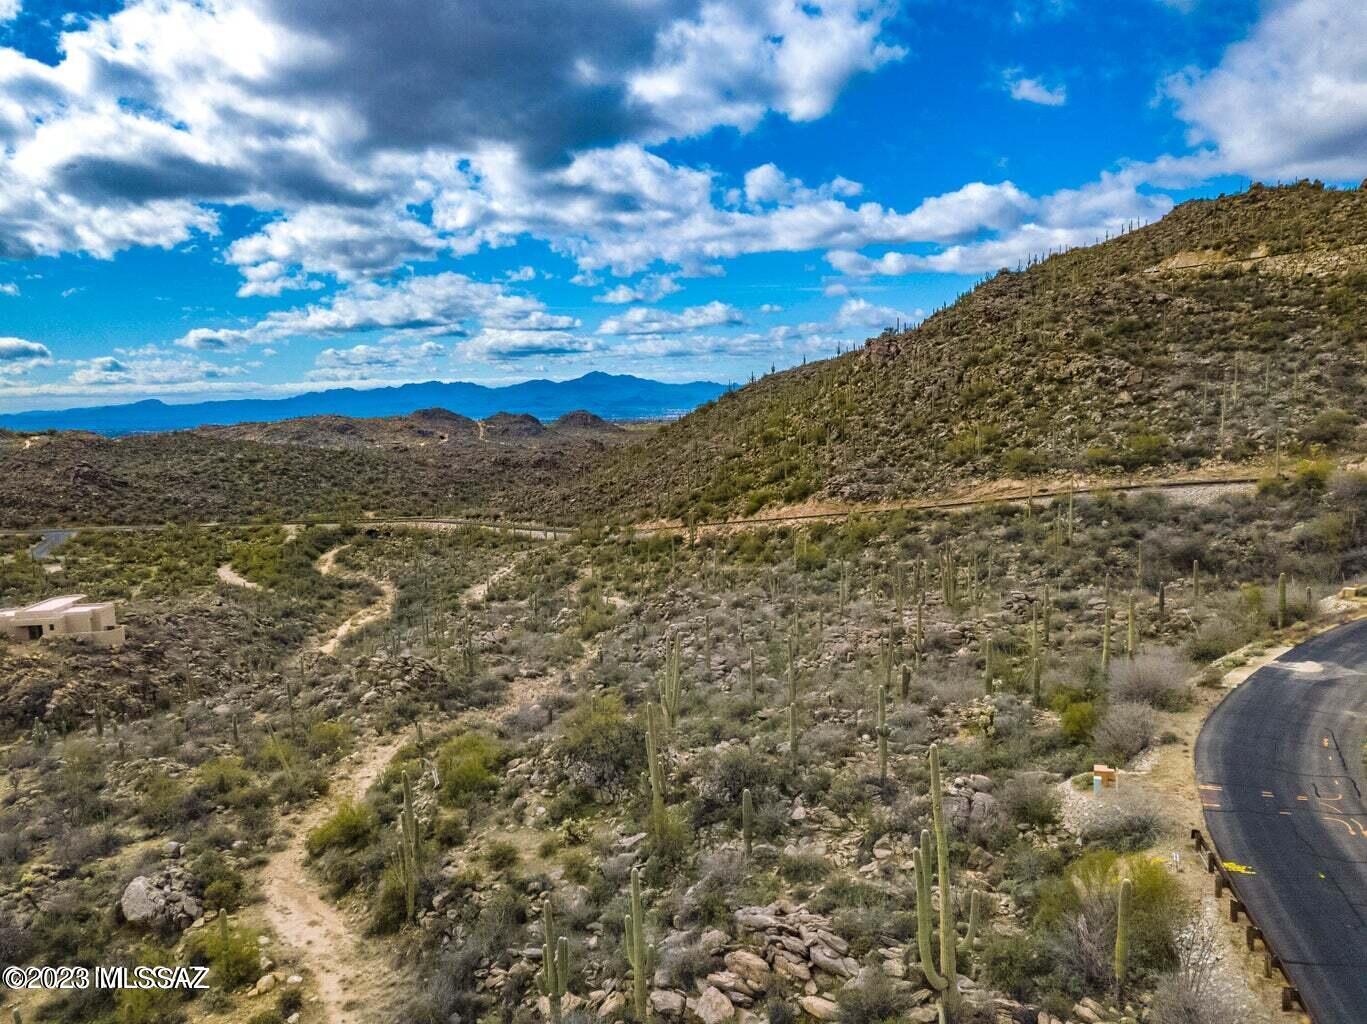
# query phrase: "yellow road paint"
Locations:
[[1237, 868]]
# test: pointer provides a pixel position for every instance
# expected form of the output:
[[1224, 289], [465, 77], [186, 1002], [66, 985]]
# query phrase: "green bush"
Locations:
[[465, 765], [501, 855], [150, 1005], [328, 739], [233, 954], [1078, 721], [601, 747], [161, 801], [348, 827]]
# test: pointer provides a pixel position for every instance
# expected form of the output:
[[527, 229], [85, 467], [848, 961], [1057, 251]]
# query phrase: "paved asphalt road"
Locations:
[[52, 540], [1280, 766]]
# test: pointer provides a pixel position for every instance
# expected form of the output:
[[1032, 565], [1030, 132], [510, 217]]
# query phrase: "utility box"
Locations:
[[1103, 777]]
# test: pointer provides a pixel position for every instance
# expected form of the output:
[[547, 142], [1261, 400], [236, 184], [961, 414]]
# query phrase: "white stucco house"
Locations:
[[69, 616]]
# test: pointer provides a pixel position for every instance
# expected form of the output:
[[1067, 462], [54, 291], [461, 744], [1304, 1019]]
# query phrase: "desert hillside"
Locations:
[[1195, 340]]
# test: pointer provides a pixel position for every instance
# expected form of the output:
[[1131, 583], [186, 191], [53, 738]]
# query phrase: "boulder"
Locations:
[[750, 968], [713, 1006], [820, 1008]]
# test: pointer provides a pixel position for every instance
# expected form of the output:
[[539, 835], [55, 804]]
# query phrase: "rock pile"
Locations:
[[161, 900]]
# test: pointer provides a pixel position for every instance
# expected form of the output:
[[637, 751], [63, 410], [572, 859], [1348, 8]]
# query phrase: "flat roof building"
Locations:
[[69, 616]]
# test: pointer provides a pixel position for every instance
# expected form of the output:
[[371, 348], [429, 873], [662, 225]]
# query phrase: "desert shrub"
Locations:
[[1215, 639], [1013, 964], [579, 867], [149, 1005], [1193, 993], [390, 908], [1077, 914], [601, 747], [328, 739], [1030, 800], [872, 1000], [350, 825], [1078, 720], [801, 866], [685, 963], [1124, 820], [223, 884], [233, 954], [501, 855], [222, 776], [1124, 731], [465, 765], [450, 828], [1329, 427], [724, 779], [1156, 677], [709, 901], [161, 801], [1312, 474]]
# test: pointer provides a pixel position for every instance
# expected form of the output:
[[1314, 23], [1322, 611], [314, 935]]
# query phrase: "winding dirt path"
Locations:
[[327, 565], [353, 986], [230, 576]]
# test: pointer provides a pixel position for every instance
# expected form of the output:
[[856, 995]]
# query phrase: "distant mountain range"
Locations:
[[611, 396]]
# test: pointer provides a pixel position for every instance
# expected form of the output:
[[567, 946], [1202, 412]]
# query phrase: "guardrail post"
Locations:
[[1211, 863], [1251, 936], [1219, 885], [1270, 964], [1291, 999], [1235, 907]]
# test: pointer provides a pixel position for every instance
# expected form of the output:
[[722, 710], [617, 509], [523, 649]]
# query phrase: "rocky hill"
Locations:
[[430, 431], [429, 462], [1198, 339], [1232, 328]]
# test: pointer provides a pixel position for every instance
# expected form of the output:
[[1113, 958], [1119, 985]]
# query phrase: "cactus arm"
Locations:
[[920, 859], [948, 935]]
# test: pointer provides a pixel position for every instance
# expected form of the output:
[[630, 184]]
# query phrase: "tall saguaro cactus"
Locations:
[[1281, 600], [640, 953], [671, 688], [655, 766], [747, 819], [792, 705], [1106, 642], [1122, 932], [945, 979], [555, 963], [882, 732], [410, 850]]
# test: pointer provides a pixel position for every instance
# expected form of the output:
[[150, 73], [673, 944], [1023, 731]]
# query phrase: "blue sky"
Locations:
[[258, 197]]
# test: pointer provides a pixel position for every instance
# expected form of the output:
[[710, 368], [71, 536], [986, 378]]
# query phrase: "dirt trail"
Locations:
[[230, 576], [350, 981], [327, 565], [353, 983]]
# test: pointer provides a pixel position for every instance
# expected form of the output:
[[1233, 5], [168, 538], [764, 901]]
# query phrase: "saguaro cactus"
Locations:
[[410, 850], [945, 980], [1281, 600], [747, 820], [655, 766], [671, 688], [555, 963], [792, 707], [1131, 630], [1122, 932], [640, 953], [1106, 642], [882, 732]]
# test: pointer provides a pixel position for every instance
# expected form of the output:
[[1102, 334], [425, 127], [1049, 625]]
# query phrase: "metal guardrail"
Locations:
[[1291, 997]]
